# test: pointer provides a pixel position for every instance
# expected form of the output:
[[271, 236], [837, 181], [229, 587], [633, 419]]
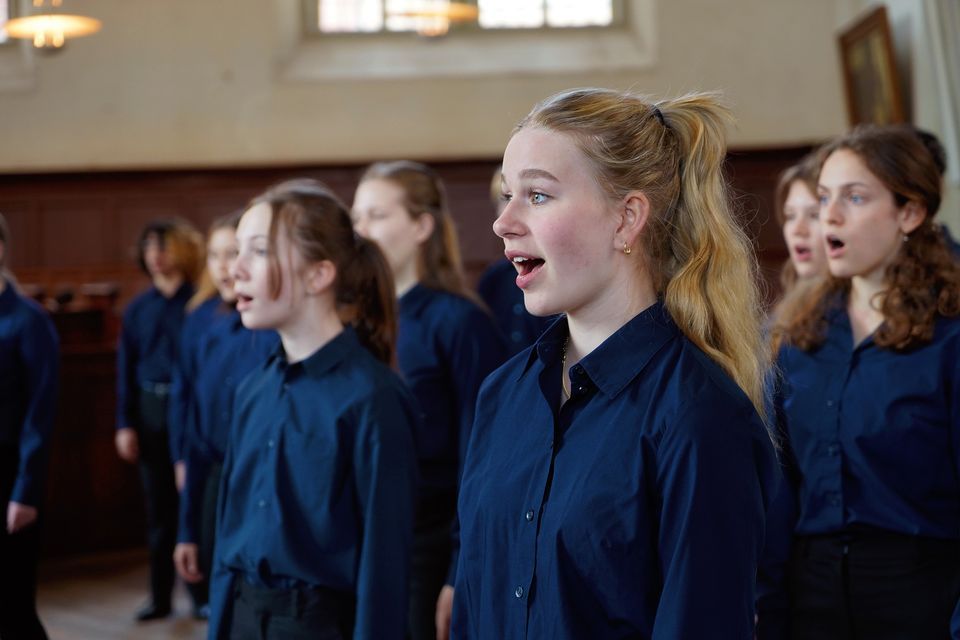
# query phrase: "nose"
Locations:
[[507, 224], [360, 226], [830, 212], [238, 267]]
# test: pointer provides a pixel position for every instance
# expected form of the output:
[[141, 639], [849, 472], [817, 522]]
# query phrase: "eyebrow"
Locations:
[[845, 185], [538, 173]]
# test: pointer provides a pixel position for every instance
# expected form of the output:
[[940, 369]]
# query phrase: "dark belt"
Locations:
[[294, 601], [868, 544]]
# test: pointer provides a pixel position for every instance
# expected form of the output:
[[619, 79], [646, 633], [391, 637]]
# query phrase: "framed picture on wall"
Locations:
[[870, 72]]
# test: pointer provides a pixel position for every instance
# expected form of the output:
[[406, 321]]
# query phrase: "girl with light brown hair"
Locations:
[[446, 345], [871, 376]]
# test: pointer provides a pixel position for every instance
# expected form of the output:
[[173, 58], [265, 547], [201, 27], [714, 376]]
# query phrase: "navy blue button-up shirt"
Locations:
[[634, 510], [182, 405], [225, 353], [148, 346], [875, 433], [318, 485], [29, 370], [446, 346], [499, 290]]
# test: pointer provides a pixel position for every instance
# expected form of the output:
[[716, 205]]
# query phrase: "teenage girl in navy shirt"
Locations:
[[871, 368], [619, 470], [446, 346], [170, 253], [315, 513], [29, 366]]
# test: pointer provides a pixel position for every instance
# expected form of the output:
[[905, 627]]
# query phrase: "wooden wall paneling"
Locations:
[[26, 242], [74, 233]]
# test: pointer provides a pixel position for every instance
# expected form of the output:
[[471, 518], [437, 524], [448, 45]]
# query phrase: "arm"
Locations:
[[181, 414], [715, 479], [385, 475], [40, 353]]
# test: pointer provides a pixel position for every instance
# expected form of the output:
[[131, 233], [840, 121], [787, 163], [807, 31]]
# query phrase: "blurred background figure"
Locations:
[[29, 366]]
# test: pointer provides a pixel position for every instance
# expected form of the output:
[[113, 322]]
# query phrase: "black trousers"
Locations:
[[260, 613], [429, 565], [19, 553], [208, 521], [873, 585], [160, 492]]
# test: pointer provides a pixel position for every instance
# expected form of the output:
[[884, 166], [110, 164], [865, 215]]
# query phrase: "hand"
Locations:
[[180, 474], [128, 445], [19, 516], [186, 560], [444, 612]]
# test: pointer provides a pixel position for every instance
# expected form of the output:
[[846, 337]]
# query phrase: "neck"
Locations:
[[863, 306], [314, 327], [589, 327], [168, 284], [405, 279]]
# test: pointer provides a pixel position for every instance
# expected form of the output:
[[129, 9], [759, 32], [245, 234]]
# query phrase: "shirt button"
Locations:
[[833, 449], [262, 504], [518, 592], [270, 443], [581, 389], [830, 403], [530, 515]]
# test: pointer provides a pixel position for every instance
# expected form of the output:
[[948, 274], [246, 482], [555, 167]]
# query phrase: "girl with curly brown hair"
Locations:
[[871, 368]]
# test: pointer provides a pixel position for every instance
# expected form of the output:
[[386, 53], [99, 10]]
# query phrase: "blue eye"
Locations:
[[856, 199], [538, 198], [260, 252], [823, 200]]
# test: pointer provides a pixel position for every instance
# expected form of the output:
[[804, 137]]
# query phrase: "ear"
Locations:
[[320, 277], [912, 216], [634, 214], [424, 227]]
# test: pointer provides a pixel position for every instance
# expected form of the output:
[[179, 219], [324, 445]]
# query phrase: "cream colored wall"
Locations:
[[177, 83]]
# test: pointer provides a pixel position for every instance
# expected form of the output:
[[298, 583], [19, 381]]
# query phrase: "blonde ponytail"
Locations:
[[711, 291], [699, 258]]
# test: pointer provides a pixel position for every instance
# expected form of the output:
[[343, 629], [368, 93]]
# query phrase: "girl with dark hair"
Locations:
[[871, 367], [446, 346], [619, 470], [216, 352], [29, 366], [316, 503], [171, 254]]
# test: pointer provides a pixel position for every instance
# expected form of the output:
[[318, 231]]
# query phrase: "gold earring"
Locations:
[[626, 249]]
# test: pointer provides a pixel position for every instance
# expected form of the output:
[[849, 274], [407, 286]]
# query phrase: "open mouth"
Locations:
[[802, 253], [527, 267], [243, 301], [835, 245]]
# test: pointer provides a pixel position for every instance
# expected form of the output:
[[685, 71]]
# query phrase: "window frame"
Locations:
[[311, 24], [312, 56]]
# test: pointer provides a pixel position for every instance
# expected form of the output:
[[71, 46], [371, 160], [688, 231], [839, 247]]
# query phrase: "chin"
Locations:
[[251, 321], [539, 307]]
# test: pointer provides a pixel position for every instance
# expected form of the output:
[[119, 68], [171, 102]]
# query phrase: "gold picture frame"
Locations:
[[870, 71]]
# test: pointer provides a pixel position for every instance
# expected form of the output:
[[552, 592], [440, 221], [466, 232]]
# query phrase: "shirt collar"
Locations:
[[323, 359], [414, 299], [621, 357]]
